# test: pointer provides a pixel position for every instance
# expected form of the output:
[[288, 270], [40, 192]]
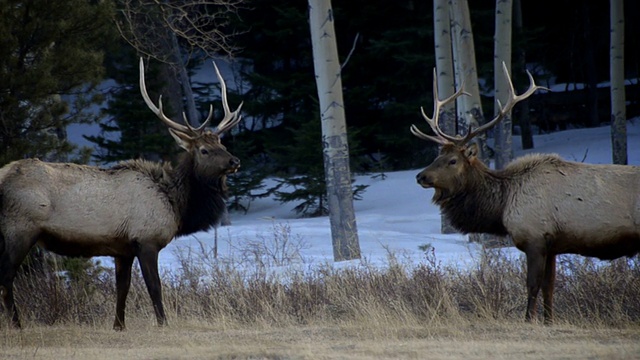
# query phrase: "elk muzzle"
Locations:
[[234, 165], [425, 180]]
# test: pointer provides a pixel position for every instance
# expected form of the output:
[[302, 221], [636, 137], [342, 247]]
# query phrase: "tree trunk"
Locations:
[[502, 54], [185, 82], [618, 111], [344, 234], [470, 108], [521, 66], [445, 76]]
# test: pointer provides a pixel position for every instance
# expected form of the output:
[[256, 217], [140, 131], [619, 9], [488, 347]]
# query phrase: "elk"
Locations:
[[131, 210], [548, 206]]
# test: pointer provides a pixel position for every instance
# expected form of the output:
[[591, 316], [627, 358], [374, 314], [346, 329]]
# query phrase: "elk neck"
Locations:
[[478, 205], [199, 201]]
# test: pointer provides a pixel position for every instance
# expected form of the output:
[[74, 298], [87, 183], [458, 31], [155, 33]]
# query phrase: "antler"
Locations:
[[443, 138], [440, 137], [158, 109], [230, 118]]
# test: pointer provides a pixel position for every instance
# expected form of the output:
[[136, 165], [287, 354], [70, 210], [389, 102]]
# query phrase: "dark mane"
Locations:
[[203, 206], [479, 207]]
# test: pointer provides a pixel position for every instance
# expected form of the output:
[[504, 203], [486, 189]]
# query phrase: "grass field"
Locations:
[[406, 311], [191, 340]]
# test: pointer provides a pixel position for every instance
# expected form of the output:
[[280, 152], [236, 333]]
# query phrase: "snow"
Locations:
[[395, 215]]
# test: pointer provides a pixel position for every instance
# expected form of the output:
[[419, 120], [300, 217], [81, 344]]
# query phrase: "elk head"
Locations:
[[449, 172], [210, 157]]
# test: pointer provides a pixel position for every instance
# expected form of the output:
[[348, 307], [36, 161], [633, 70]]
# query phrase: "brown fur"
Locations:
[[132, 210], [547, 205]]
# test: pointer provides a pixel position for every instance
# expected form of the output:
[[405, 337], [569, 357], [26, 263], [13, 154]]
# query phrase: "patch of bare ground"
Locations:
[[462, 339]]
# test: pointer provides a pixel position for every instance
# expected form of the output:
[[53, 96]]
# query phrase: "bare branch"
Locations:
[[148, 24], [353, 47]]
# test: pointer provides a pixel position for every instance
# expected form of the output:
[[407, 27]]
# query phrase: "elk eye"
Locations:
[[453, 161], [204, 151]]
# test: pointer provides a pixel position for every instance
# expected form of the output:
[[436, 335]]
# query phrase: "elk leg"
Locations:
[[9, 264], [535, 273], [148, 259], [547, 288], [7, 274], [6, 291], [123, 283]]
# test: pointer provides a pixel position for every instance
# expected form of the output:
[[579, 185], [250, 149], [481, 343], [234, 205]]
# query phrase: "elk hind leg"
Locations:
[[123, 283], [148, 259]]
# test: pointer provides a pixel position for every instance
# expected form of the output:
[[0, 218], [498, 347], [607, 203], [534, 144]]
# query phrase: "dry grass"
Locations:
[[221, 309], [197, 340]]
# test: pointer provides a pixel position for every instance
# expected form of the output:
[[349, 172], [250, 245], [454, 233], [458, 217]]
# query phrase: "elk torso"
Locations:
[[84, 210], [585, 209]]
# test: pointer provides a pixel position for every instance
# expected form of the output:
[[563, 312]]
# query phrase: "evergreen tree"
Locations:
[[305, 183], [132, 130], [51, 60]]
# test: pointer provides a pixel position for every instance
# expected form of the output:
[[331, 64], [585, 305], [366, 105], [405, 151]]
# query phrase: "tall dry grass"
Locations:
[[423, 293]]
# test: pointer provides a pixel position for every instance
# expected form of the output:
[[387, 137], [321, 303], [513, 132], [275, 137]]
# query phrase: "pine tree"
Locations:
[[51, 60], [132, 130]]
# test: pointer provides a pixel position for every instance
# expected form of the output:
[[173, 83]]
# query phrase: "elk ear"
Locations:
[[471, 151], [183, 140]]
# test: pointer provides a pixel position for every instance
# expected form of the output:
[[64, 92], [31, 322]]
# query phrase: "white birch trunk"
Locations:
[[502, 53], [469, 108], [344, 233], [445, 77], [618, 111], [444, 63]]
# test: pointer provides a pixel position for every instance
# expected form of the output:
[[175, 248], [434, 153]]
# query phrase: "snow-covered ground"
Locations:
[[395, 214]]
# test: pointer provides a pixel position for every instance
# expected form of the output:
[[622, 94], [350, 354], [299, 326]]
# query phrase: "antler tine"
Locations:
[[201, 127], [511, 102], [415, 131], [158, 109], [230, 118], [440, 137]]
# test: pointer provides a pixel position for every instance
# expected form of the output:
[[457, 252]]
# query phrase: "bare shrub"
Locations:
[[50, 294], [596, 291], [278, 248], [493, 288]]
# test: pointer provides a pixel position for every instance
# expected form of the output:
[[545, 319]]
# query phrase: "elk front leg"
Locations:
[[7, 274], [10, 261], [149, 265], [535, 274], [547, 288], [123, 283]]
